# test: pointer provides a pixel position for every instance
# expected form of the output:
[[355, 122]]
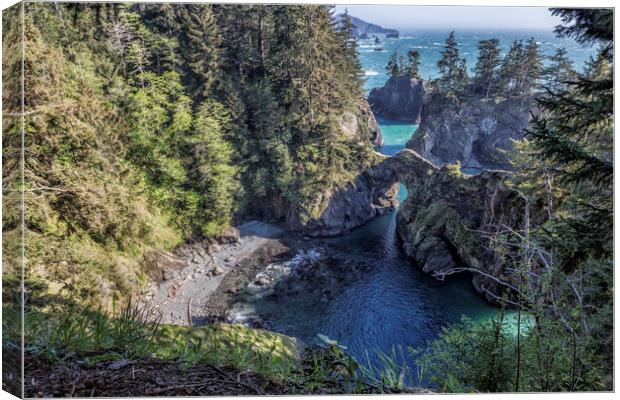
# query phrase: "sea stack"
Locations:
[[401, 98]]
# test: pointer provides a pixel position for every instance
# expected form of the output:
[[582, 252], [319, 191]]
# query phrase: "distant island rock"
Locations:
[[364, 29], [401, 98]]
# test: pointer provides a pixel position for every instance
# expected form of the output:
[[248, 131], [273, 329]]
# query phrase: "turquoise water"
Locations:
[[429, 43]]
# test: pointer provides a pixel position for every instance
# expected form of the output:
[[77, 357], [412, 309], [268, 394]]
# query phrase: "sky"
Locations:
[[423, 17]]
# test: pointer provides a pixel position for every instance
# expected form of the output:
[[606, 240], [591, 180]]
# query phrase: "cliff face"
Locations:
[[356, 202], [400, 98], [361, 125], [349, 206], [444, 221], [474, 132]]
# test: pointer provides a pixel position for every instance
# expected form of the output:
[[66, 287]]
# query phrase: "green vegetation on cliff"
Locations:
[[147, 125]]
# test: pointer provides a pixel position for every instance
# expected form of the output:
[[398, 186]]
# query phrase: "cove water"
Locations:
[[393, 306]]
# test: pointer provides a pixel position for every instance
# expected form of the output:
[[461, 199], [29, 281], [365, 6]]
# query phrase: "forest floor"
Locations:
[[142, 377]]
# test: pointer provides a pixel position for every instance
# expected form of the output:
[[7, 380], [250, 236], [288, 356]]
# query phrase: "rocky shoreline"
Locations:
[[192, 274], [222, 282], [275, 268]]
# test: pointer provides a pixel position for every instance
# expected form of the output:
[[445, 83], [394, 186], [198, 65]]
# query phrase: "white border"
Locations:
[[485, 3]]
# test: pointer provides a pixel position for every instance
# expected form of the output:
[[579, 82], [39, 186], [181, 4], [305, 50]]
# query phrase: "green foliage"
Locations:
[[212, 175], [392, 66], [487, 67], [452, 67], [560, 72], [150, 124], [396, 66], [488, 357], [413, 69], [557, 275], [521, 69]]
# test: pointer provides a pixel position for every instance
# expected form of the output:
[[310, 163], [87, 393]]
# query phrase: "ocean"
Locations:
[[429, 43]]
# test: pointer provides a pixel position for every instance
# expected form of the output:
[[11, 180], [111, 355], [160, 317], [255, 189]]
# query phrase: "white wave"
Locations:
[[304, 258], [371, 72]]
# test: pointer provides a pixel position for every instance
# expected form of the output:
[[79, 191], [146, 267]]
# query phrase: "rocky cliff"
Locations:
[[361, 125], [351, 204], [444, 221], [370, 194], [401, 98], [474, 132]]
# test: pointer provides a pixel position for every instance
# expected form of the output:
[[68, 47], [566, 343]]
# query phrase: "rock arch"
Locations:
[[442, 221]]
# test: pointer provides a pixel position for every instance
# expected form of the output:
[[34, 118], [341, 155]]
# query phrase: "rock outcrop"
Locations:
[[474, 132], [443, 221], [371, 194], [363, 29], [361, 125], [401, 98]]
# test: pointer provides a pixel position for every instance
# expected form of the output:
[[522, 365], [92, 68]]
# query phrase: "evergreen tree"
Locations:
[[202, 46], [413, 69], [521, 69], [211, 173], [560, 71], [392, 66], [573, 136], [486, 69], [531, 70], [452, 67], [351, 70]]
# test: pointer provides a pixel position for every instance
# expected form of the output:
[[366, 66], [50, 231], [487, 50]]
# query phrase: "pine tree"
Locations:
[[202, 46], [351, 69], [452, 67], [531, 70], [509, 70], [560, 72], [211, 171], [413, 70], [392, 66], [486, 69], [573, 136]]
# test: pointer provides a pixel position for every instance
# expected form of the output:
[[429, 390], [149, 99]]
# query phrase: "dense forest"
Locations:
[[147, 126]]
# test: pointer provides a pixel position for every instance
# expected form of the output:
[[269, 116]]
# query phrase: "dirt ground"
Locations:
[[144, 377]]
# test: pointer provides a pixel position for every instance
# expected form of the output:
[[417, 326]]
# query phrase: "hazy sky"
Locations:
[[416, 17]]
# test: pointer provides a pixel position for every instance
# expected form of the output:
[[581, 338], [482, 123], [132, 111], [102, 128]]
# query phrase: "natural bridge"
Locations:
[[445, 219]]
